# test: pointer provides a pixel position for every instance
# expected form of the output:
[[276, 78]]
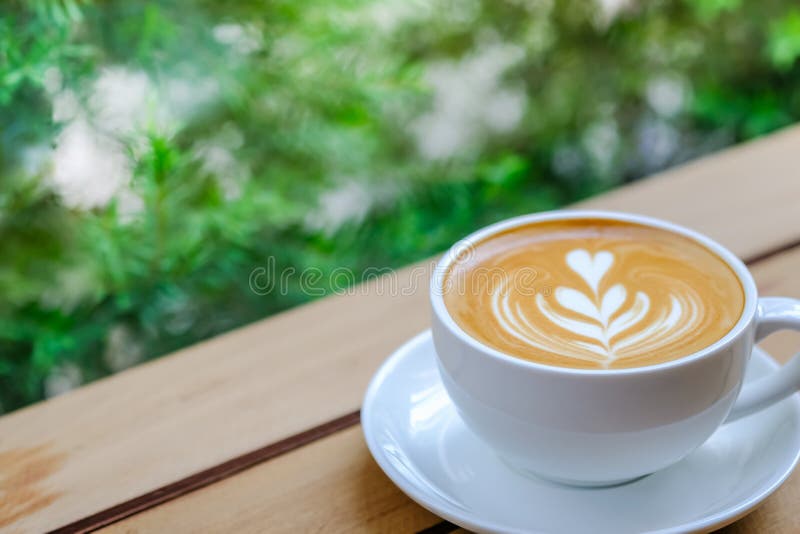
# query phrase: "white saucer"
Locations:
[[418, 439]]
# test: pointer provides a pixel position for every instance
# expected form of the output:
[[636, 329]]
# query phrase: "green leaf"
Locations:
[[783, 44], [708, 10]]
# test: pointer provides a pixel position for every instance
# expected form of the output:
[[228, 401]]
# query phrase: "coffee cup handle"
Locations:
[[774, 313]]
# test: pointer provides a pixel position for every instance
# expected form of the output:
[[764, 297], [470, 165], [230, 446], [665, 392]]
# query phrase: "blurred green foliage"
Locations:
[[152, 154]]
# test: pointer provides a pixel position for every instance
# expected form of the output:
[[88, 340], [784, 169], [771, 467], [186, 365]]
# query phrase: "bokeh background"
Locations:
[[153, 153]]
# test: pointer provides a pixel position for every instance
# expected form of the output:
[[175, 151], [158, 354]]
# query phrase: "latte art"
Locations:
[[605, 330], [605, 295]]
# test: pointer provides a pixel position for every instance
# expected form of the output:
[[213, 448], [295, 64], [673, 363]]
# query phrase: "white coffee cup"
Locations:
[[602, 427]]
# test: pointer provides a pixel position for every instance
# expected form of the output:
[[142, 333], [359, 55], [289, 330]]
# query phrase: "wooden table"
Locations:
[[258, 430]]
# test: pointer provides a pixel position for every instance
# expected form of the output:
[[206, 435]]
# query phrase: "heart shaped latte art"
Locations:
[[594, 325], [590, 268]]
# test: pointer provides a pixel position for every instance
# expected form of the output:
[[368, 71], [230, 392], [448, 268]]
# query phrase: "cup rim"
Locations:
[[742, 273]]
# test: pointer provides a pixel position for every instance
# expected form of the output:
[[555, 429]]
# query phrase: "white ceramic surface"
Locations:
[[421, 443], [600, 427]]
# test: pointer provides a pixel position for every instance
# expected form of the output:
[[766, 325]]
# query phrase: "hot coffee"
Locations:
[[592, 293]]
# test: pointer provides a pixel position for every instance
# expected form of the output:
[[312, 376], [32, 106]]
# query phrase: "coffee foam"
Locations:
[[593, 293]]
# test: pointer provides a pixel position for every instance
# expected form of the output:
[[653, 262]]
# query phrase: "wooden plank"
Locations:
[[339, 467], [127, 435], [350, 494]]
